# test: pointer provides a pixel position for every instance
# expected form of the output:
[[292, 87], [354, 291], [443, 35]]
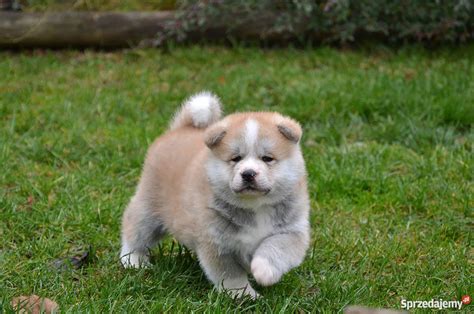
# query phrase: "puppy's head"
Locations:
[[255, 157]]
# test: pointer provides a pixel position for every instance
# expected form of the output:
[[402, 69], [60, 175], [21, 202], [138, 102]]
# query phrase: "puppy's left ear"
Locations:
[[290, 129]]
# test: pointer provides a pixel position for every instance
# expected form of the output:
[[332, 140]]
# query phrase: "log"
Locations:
[[126, 29], [80, 29], [6, 4]]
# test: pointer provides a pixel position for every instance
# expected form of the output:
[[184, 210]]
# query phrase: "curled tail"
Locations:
[[199, 111]]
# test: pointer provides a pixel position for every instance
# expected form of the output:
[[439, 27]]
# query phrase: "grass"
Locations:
[[388, 143]]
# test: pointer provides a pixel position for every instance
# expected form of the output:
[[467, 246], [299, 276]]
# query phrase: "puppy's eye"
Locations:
[[236, 159], [267, 159]]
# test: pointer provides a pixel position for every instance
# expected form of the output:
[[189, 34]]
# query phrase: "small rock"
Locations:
[[356, 309], [34, 304]]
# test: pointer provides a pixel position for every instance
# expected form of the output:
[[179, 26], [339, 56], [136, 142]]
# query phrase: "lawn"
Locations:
[[389, 149]]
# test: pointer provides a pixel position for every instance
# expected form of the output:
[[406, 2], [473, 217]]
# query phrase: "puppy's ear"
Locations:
[[214, 135], [290, 129]]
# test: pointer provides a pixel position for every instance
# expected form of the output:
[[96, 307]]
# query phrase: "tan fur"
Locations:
[[170, 175]]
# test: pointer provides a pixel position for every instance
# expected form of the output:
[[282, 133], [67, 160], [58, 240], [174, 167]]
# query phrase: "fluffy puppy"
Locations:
[[232, 190]]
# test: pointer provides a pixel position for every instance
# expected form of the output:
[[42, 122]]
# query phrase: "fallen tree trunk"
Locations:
[[126, 29], [80, 29]]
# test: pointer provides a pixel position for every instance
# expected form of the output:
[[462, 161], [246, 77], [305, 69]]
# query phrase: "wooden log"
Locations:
[[114, 30], [80, 29], [6, 4]]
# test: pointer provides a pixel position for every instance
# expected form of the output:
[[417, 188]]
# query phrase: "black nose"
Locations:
[[248, 175]]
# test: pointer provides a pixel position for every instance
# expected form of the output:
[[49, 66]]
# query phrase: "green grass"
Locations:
[[388, 143]]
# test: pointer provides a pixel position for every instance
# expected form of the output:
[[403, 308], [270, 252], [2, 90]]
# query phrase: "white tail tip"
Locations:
[[200, 111]]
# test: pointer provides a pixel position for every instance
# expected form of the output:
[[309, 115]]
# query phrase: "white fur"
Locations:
[[238, 287], [263, 271], [290, 170], [203, 107], [200, 111], [251, 133], [250, 237], [131, 259]]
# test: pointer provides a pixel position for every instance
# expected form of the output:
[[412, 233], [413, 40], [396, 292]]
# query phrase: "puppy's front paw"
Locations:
[[264, 272]]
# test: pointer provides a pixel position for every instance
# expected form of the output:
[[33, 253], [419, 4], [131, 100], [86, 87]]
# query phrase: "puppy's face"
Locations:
[[255, 157]]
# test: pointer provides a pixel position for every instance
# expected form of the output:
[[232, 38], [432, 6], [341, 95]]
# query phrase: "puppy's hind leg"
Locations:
[[142, 228]]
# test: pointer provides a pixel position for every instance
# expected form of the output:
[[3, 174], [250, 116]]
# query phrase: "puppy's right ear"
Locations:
[[214, 135]]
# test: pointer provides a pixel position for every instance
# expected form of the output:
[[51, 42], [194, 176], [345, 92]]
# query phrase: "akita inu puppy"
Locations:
[[233, 190]]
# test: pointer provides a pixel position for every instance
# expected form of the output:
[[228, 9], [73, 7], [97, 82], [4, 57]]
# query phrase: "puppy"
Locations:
[[233, 190]]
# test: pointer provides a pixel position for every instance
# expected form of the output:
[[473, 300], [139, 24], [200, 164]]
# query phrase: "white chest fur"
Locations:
[[240, 232], [248, 238]]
